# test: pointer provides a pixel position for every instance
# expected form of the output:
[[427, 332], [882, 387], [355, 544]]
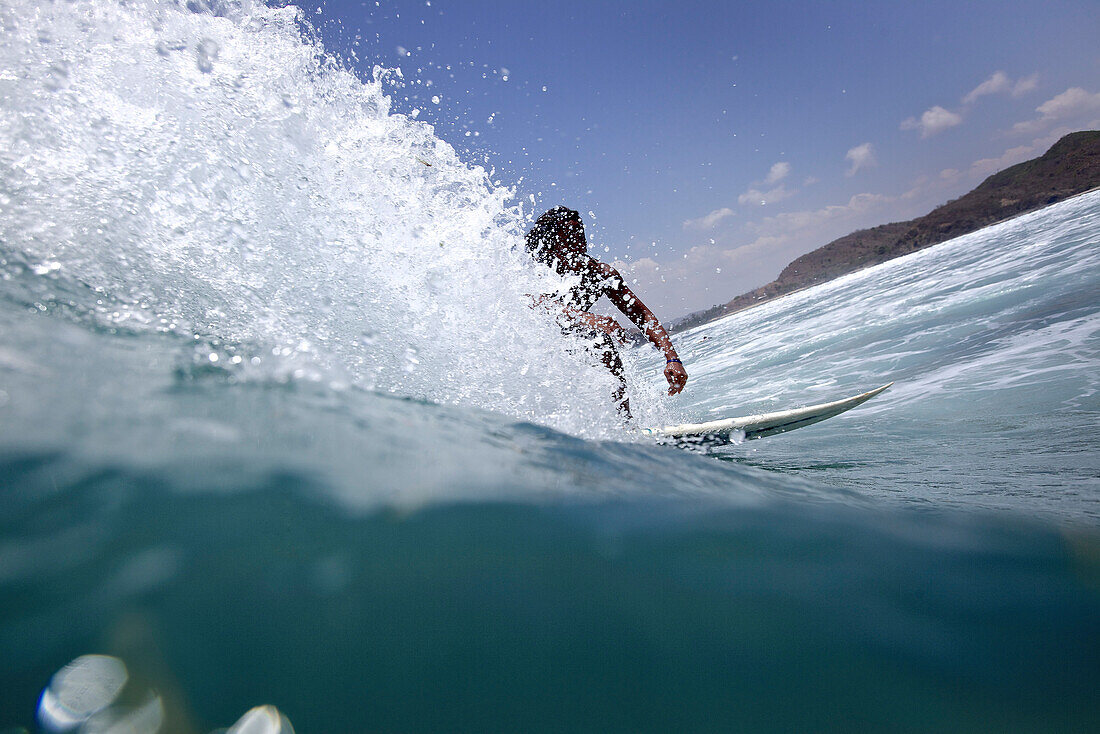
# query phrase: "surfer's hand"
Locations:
[[677, 377]]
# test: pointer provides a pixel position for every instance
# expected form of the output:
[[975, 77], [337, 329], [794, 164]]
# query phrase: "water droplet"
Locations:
[[47, 267], [58, 76], [207, 53], [145, 719], [164, 48], [411, 361], [80, 689], [262, 720]]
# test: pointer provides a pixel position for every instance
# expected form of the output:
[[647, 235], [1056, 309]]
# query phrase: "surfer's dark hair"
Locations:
[[541, 237]]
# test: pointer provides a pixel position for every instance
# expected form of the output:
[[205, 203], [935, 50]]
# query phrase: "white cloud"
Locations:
[[1000, 83], [778, 172], [709, 220], [679, 285], [1069, 103], [995, 84], [740, 261], [1073, 104], [754, 253], [790, 223], [933, 121], [754, 196], [1025, 85], [642, 267], [1012, 156], [861, 156], [936, 119], [931, 192], [761, 198], [1020, 153]]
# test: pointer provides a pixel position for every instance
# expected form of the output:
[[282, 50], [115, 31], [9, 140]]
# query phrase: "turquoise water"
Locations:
[[992, 340], [278, 427]]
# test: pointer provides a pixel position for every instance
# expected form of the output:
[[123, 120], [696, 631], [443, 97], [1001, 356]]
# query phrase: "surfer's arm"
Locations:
[[639, 314], [606, 324]]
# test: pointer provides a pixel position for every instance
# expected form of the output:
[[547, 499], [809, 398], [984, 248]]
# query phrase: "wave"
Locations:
[[209, 171]]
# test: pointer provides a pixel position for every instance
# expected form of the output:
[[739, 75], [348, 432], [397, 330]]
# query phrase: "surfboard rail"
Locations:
[[727, 430]]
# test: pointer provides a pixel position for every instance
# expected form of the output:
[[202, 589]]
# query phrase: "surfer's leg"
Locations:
[[609, 355], [603, 346]]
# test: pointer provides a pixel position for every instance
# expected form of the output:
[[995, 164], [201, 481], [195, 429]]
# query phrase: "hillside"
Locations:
[[1070, 167]]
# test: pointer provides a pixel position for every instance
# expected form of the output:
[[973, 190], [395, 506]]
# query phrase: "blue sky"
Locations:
[[710, 143]]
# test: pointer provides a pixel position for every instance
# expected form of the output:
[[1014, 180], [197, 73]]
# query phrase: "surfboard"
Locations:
[[733, 430]]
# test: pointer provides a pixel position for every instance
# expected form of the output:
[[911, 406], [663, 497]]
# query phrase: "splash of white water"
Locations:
[[208, 171]]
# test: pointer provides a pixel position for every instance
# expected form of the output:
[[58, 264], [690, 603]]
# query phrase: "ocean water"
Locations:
[[279, 428]]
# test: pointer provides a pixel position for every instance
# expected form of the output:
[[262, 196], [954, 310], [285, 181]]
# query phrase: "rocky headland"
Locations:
[[1070, 167]]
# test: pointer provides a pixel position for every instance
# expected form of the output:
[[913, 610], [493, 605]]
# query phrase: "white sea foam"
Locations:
[[207, 171]]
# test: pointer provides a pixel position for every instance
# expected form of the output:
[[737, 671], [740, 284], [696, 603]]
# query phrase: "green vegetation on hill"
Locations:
[[1070, 167]]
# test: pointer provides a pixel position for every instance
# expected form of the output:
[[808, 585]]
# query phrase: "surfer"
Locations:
[[557, 240]]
